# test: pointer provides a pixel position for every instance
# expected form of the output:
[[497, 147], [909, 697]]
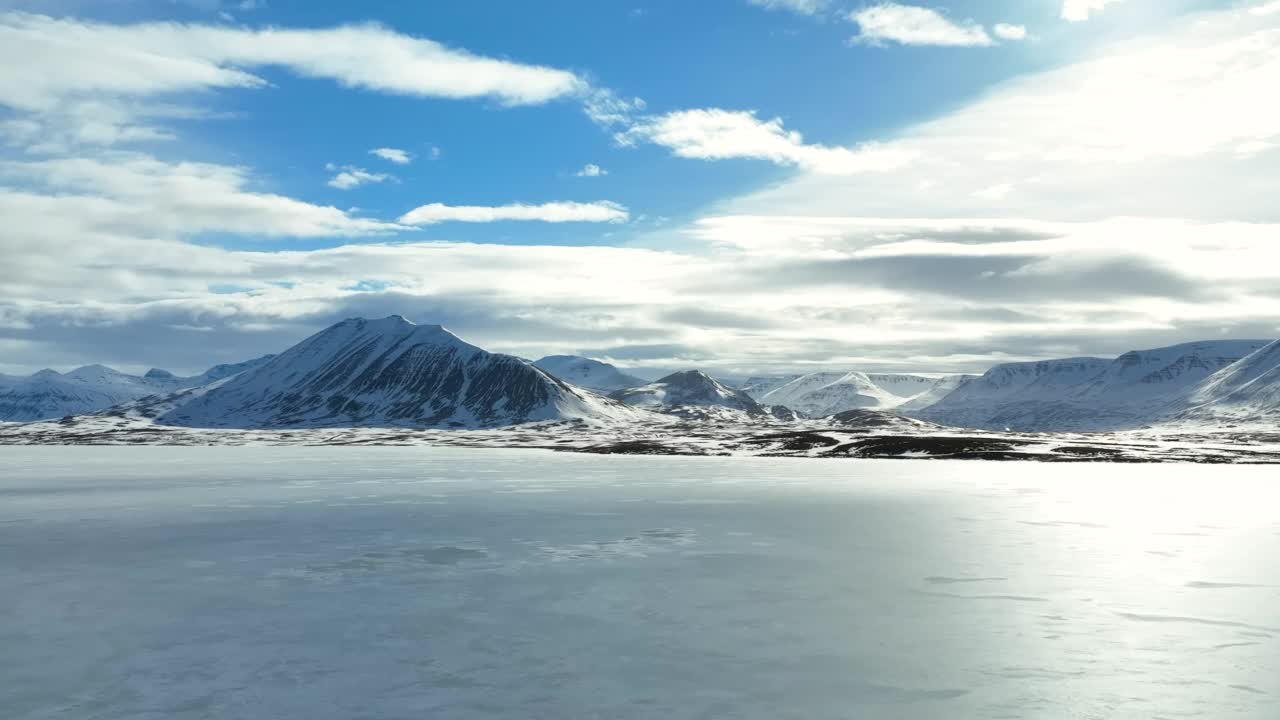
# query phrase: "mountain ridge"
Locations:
[[391, 372], [588, 373]]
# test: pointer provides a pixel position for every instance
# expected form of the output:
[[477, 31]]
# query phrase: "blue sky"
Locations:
[[922, 186]]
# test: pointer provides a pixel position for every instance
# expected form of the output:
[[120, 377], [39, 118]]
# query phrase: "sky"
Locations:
[[745, 186]]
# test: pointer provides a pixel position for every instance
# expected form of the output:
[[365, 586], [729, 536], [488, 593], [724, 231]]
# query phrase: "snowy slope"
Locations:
[[903, 386], [828, 393], [49, 394], [1086, 394], [760, 385], [588, 373], [692, 388], [1247, 391], [938, 388], [1166, 373], [391, 372]]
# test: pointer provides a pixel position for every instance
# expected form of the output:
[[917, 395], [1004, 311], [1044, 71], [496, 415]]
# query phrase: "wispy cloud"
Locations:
[[716, 134], [154, 58], [1266, 8], [1080, 10], [395, 155], [98, 83], [912, 25], [1174, 124], [801, 7], [1006, 31], [349, 177], [555, 212], [591, 170]]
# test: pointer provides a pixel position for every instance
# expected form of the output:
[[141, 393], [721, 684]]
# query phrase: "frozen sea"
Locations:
[[414, 582]]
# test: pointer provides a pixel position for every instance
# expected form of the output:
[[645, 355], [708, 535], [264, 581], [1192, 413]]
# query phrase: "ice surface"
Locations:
[[419, 582]]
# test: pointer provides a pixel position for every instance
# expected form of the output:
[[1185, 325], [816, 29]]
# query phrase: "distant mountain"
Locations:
[[1086, 394], [879, 420], [391, 372], [828, 393], [939, 388], [588, 373], [218, 372], [1244, 392], [50, 394], [760, 385], [689, 389]]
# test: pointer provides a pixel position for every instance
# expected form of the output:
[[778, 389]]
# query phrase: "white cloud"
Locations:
[[608, 109], [90, 83], [995, 192], [912, 25], [1080, 10], [395, 155], [154, 58], [716, 134], [137, 195], [801, 7], [1005, 31], [1266, 8], [351, 177], [555, 212], [833, 292], [1157, 126], [591, 170], [100, 259]]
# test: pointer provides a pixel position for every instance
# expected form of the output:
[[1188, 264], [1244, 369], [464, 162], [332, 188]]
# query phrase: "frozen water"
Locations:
[[458, 583]]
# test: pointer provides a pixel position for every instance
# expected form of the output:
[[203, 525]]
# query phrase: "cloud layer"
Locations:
[[1080, 10], [717, 134], [395, 155], [556, 212], [75, 82], [913, 25], [1119, 201], [800, 7]]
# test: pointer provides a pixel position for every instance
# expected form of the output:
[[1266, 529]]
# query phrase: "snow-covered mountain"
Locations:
[[939, 388], [588, 373], [50, 394], [880, 420], [1087, 394], [760, 385], [1244, 392], [391, 372], [689, 389], [828, 393]]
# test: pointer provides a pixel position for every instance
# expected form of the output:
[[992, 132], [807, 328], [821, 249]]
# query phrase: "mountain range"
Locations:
[[826, 393], [1093, 394], [393, 373], [50, 394], [693, 393]]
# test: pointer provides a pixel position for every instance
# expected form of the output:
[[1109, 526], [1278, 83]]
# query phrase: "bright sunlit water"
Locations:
[[388, 583]]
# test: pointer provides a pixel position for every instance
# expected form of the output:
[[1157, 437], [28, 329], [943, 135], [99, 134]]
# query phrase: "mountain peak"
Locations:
[[90, 371], [686, 377], [391, 372], [588, 373], [688, 388]]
